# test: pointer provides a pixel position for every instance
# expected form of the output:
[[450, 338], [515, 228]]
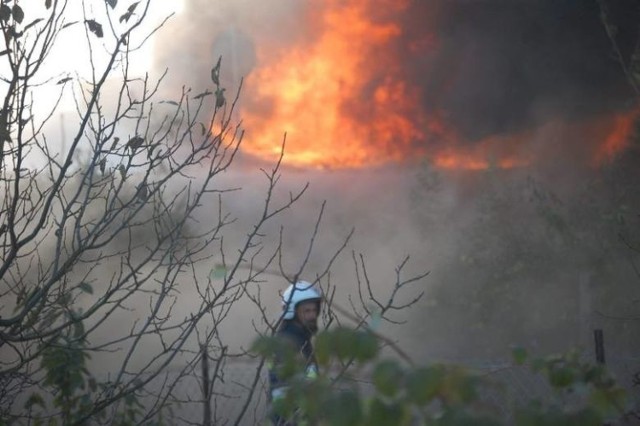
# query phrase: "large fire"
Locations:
[[341, 95]]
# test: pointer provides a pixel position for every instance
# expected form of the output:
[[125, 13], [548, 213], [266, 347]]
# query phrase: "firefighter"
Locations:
[[301, 308]]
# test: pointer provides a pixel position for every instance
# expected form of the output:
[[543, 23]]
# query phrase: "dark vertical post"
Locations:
[[584, 309], [206, 397], [599, 340]]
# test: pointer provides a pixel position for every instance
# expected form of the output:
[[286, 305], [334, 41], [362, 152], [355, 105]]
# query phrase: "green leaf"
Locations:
[[114, 145], [5, 12], [375, 320], [112, 3], [129, 13], [220, 100], [423, 384], [264, 345], [123, 171], [47, 4], [284, 407], [585, 417], [383, 414], [215, 72], [277, 348], [18, 13], [460, 387], [607, 402], [561, 377], [218, 272], [519, 355], [85, 287], [133, 6], [5, 134], [11, 33], [95, 27], [343, 408], [78, 329], [344, 345], [322, 348], [387, 376], [458, 416], [366, 346], [135, 143], [539, 365]]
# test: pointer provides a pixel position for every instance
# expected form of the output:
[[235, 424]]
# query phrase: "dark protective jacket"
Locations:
[[300, 337]]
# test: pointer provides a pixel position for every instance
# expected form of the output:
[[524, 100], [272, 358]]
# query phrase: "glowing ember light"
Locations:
[[461, 161], [618, 137], [491, 152]]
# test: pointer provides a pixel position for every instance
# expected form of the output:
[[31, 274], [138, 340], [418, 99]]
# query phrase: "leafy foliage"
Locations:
[[64, 362], [95, 27], [438, 394], [108, 214]]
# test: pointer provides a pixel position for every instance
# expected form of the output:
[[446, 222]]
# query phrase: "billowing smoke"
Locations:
[[531, 87], [504, 66]]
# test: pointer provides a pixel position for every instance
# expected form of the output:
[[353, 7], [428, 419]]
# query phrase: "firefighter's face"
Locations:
[[307, 313]]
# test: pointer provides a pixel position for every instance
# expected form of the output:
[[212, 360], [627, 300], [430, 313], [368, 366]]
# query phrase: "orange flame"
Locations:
[[622, 127], [343, 100]]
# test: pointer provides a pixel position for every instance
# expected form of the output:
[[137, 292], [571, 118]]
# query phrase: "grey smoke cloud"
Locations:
[[497, 68], [516, 64]]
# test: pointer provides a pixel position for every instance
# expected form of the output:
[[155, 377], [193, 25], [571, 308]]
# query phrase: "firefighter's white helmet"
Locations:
[[299, 292]]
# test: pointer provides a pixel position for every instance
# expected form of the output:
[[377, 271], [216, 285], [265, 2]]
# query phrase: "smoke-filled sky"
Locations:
[[513, 63], [465, 83]]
